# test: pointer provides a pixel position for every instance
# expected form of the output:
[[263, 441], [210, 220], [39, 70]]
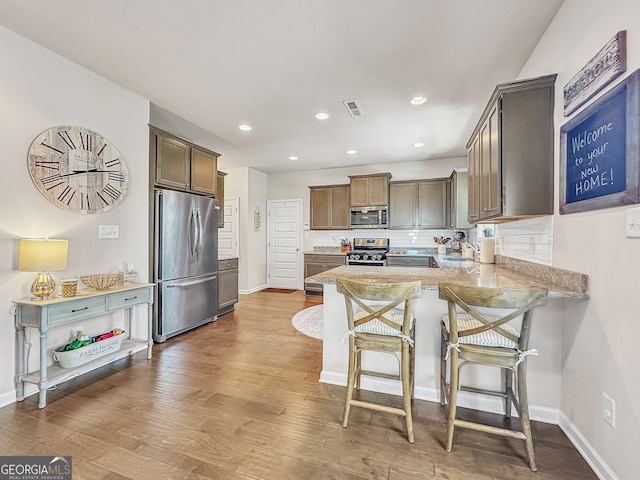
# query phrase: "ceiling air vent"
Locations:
[[353, 108]]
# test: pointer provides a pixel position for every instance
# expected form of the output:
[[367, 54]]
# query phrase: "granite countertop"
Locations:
[[508, 273]]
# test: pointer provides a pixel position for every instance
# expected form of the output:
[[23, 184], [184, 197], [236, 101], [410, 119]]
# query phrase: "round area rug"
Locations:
[[309, 321]]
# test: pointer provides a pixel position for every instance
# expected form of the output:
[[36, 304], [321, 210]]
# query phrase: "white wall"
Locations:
[[41, 90], [599, 347], [250, 186]]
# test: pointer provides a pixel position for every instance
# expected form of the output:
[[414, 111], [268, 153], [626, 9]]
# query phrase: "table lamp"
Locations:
[[42, 255]]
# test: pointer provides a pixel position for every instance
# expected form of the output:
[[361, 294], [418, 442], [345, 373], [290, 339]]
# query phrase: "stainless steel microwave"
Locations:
[[369, 217]]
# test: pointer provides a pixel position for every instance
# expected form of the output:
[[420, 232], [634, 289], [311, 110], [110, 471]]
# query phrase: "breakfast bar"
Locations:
[[567, 292]]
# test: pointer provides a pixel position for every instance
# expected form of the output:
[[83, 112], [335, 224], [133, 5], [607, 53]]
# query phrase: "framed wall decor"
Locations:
[[600, 152]]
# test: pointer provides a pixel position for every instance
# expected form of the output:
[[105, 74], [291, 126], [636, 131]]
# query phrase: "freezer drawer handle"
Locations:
[[188, 284]]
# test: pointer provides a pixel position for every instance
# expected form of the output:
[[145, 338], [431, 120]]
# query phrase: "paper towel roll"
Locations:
[[487, 250]]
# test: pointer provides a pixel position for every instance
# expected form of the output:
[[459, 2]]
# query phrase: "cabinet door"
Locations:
[[378, 191], [490, 186], [320, 205], [359, 192], [473, 178], [228, 288], [172, 162], [432, 204], [340, 211], [458, 189], [204, 168], [402, 205]]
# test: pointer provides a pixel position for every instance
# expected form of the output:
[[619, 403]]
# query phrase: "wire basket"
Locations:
[[101, 281]]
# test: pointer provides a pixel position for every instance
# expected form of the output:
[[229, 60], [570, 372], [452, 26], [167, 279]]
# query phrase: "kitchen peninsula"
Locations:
[[567, 291]]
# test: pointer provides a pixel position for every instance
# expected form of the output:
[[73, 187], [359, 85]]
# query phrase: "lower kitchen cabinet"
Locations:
[[410, 261], [315, 263], [227, 285]]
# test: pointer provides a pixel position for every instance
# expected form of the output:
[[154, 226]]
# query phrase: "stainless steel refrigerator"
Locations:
[[185, 262]]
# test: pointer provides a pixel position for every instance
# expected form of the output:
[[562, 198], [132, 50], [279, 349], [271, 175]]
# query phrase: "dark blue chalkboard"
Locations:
[[599, 152]]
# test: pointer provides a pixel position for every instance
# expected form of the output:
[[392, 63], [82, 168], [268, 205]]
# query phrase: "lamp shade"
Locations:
[[42, 255]]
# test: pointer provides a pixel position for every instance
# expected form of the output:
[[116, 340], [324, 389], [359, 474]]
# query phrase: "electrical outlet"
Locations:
[[109, 231], [633, 222], [609, 410]]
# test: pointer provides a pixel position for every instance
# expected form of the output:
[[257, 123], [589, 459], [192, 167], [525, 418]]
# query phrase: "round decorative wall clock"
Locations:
[[78, 169]]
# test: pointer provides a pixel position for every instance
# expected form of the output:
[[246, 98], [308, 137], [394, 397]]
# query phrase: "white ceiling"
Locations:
[[275, 63]]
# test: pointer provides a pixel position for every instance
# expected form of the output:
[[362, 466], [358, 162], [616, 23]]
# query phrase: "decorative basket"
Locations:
[[85, 354], [101, 281]]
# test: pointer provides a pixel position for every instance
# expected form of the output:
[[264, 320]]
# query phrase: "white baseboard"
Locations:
[[8, 398], [595, 461], [484, 403], [253, 290]]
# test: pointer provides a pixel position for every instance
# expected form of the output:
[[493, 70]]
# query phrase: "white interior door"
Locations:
[[229, 235], [284, 244]]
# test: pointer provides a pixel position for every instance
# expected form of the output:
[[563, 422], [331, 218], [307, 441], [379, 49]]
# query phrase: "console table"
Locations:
[[45, 314]]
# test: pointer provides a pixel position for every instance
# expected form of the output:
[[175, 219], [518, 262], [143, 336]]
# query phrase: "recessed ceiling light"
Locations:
[[322, 116], [293, 157], [245, 128], [352, 152], [418, 100], [418, 144]]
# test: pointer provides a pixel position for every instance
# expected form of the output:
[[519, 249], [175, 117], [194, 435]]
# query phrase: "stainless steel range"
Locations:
[[370, 252]]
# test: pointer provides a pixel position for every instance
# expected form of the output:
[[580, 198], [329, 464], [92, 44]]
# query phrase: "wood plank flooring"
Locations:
[[239, 399]]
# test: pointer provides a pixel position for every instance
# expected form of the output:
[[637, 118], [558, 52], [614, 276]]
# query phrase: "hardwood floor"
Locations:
[[240, 399]]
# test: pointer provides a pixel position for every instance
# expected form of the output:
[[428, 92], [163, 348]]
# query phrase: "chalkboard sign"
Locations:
[[599, 152]]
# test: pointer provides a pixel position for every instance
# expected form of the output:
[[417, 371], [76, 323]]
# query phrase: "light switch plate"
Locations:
[[109, 231], [633, 222]]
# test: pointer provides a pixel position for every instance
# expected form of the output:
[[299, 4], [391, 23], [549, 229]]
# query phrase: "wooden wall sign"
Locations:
[[600, 152], [608, 64]]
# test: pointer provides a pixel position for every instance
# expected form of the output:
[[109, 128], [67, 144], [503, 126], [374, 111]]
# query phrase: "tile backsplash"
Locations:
[[530, 240], [397, 238]]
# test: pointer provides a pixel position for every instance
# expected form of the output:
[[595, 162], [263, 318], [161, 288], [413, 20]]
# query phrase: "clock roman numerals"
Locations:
[[47, 164], [112, 163], [86, 140], [67, 195], [101, 197], [116, 176], [44, 143], [84, 202], [64, 135], [52, 181], [101, 149]]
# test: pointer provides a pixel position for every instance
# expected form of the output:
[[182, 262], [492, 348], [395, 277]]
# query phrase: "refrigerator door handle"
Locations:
[[191, 282], [191, 233], [198, 228]]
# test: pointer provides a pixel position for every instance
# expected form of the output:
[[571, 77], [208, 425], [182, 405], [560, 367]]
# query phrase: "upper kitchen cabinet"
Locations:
[[176, 163], [421, 204], [369, 190], [458, 199], [329, 207], [510, 153]]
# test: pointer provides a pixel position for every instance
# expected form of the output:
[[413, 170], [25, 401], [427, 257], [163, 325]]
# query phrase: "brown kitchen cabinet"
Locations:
[[458, 199], [510, 153], [329, 207], [410, 261], [315, 263], [420, 204], [179, 164], [369, 190]]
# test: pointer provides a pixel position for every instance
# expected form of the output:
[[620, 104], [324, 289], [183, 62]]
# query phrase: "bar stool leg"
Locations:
[[524, 414]]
